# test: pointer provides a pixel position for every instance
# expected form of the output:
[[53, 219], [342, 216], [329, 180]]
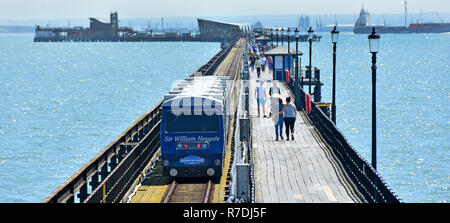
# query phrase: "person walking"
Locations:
[[277, 110], [263, 63], [258, 66], [274, 91], [260, 93], [252, 61], [290, 114], [269, 63]]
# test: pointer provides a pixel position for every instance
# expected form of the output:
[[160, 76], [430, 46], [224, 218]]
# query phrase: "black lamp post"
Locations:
[[310, 37], [334, 40], [282, 32], [288, 31], [296, 83], [271, 37], [374, 39], [278, 31]]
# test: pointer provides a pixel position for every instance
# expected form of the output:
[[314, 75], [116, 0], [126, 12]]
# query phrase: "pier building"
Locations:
[[221, 30]]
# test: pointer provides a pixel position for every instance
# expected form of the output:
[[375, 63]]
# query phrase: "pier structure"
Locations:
[[319, 165], [98, 31], [300, 170]]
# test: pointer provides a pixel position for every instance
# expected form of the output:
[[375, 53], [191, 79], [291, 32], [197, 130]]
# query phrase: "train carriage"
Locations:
[[194, 127]]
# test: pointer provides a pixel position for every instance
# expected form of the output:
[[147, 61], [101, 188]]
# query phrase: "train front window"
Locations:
[[191, 123]]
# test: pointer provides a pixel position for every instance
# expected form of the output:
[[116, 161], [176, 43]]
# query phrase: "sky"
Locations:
[[50, 9]]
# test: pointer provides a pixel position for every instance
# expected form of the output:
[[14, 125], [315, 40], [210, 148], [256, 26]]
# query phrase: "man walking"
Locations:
[[260, 93]]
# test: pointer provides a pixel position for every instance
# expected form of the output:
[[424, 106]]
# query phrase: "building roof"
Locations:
[[263, 38], [226, 23], [282, 50]]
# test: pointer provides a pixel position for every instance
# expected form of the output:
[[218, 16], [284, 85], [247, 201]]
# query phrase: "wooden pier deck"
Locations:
[[304, 170]]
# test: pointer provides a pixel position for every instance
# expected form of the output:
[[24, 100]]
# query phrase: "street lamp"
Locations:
[[288, 31], [334, 40], [310, 37], [278, 31], [296, 83], [271, 37], [374, 39], [282, 32]]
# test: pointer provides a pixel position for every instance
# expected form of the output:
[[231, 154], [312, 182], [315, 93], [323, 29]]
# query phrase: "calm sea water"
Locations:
[[61, 103], [413, 102]]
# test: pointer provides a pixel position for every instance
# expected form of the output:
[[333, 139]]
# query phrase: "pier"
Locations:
[[319, 166], [300, 170], [98, 31]]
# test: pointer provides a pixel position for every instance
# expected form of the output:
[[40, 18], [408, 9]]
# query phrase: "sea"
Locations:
[[62, 103]]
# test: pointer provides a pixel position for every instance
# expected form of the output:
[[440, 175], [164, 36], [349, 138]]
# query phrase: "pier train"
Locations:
[[195, 127]]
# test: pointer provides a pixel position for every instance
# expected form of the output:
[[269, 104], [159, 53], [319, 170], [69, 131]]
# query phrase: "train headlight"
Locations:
[[217, 162], [210, 172], [173, 172], [166, 163]]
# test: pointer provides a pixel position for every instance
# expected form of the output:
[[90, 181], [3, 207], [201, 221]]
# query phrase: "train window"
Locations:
[[191, 123]]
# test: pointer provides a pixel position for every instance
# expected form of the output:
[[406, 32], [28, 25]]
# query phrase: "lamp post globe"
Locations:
[[310, 33], [334, 35], [374, 40]]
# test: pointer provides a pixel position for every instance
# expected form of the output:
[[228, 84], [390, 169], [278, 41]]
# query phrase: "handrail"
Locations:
[[64, 192]]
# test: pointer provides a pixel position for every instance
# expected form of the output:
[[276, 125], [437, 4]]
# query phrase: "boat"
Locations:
[[363, 26]]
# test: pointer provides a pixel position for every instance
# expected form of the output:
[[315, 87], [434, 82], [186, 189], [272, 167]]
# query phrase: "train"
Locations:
[[195, 123]]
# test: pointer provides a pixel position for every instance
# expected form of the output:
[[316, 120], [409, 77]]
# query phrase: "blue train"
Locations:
[[195, 127]]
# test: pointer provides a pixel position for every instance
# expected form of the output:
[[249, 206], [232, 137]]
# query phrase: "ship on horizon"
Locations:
[[363, 26]]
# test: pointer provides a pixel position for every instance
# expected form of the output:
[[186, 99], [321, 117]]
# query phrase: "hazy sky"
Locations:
[[50, 9]]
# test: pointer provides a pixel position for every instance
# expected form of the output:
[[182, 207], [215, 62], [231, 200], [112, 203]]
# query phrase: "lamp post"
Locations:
[[296, 82], [374, 39], [310, 37], [334, 40], [288, 31], [278, 31], [271, 37], [282, 32]]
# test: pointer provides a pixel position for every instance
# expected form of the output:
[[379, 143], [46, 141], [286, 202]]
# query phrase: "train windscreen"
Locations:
[[191, 123]]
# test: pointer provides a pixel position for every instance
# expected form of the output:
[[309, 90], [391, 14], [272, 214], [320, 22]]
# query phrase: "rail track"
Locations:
[[236, 62], [201, 192], [189, 192]]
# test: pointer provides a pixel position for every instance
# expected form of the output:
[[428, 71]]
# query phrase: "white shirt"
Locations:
[[261, 92]]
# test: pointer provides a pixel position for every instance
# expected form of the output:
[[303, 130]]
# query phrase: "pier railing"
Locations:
[[101, 167], [367, 180], [110, 174]]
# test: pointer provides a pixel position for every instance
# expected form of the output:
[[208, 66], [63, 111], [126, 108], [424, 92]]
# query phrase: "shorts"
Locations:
[[260, 101]]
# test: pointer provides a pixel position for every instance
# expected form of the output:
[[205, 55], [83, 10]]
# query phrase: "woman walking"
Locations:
[[269, 63], [277, 117], [258, 66], [290, 113]]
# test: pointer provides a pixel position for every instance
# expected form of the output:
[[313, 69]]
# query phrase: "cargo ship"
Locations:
[[363, 26]]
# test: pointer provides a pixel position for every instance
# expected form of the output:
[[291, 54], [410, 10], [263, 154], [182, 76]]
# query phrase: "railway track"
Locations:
[[189, 192], [234, 68], [201, 192]]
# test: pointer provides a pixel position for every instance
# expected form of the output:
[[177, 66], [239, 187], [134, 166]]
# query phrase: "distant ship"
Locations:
[[362, 26]]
